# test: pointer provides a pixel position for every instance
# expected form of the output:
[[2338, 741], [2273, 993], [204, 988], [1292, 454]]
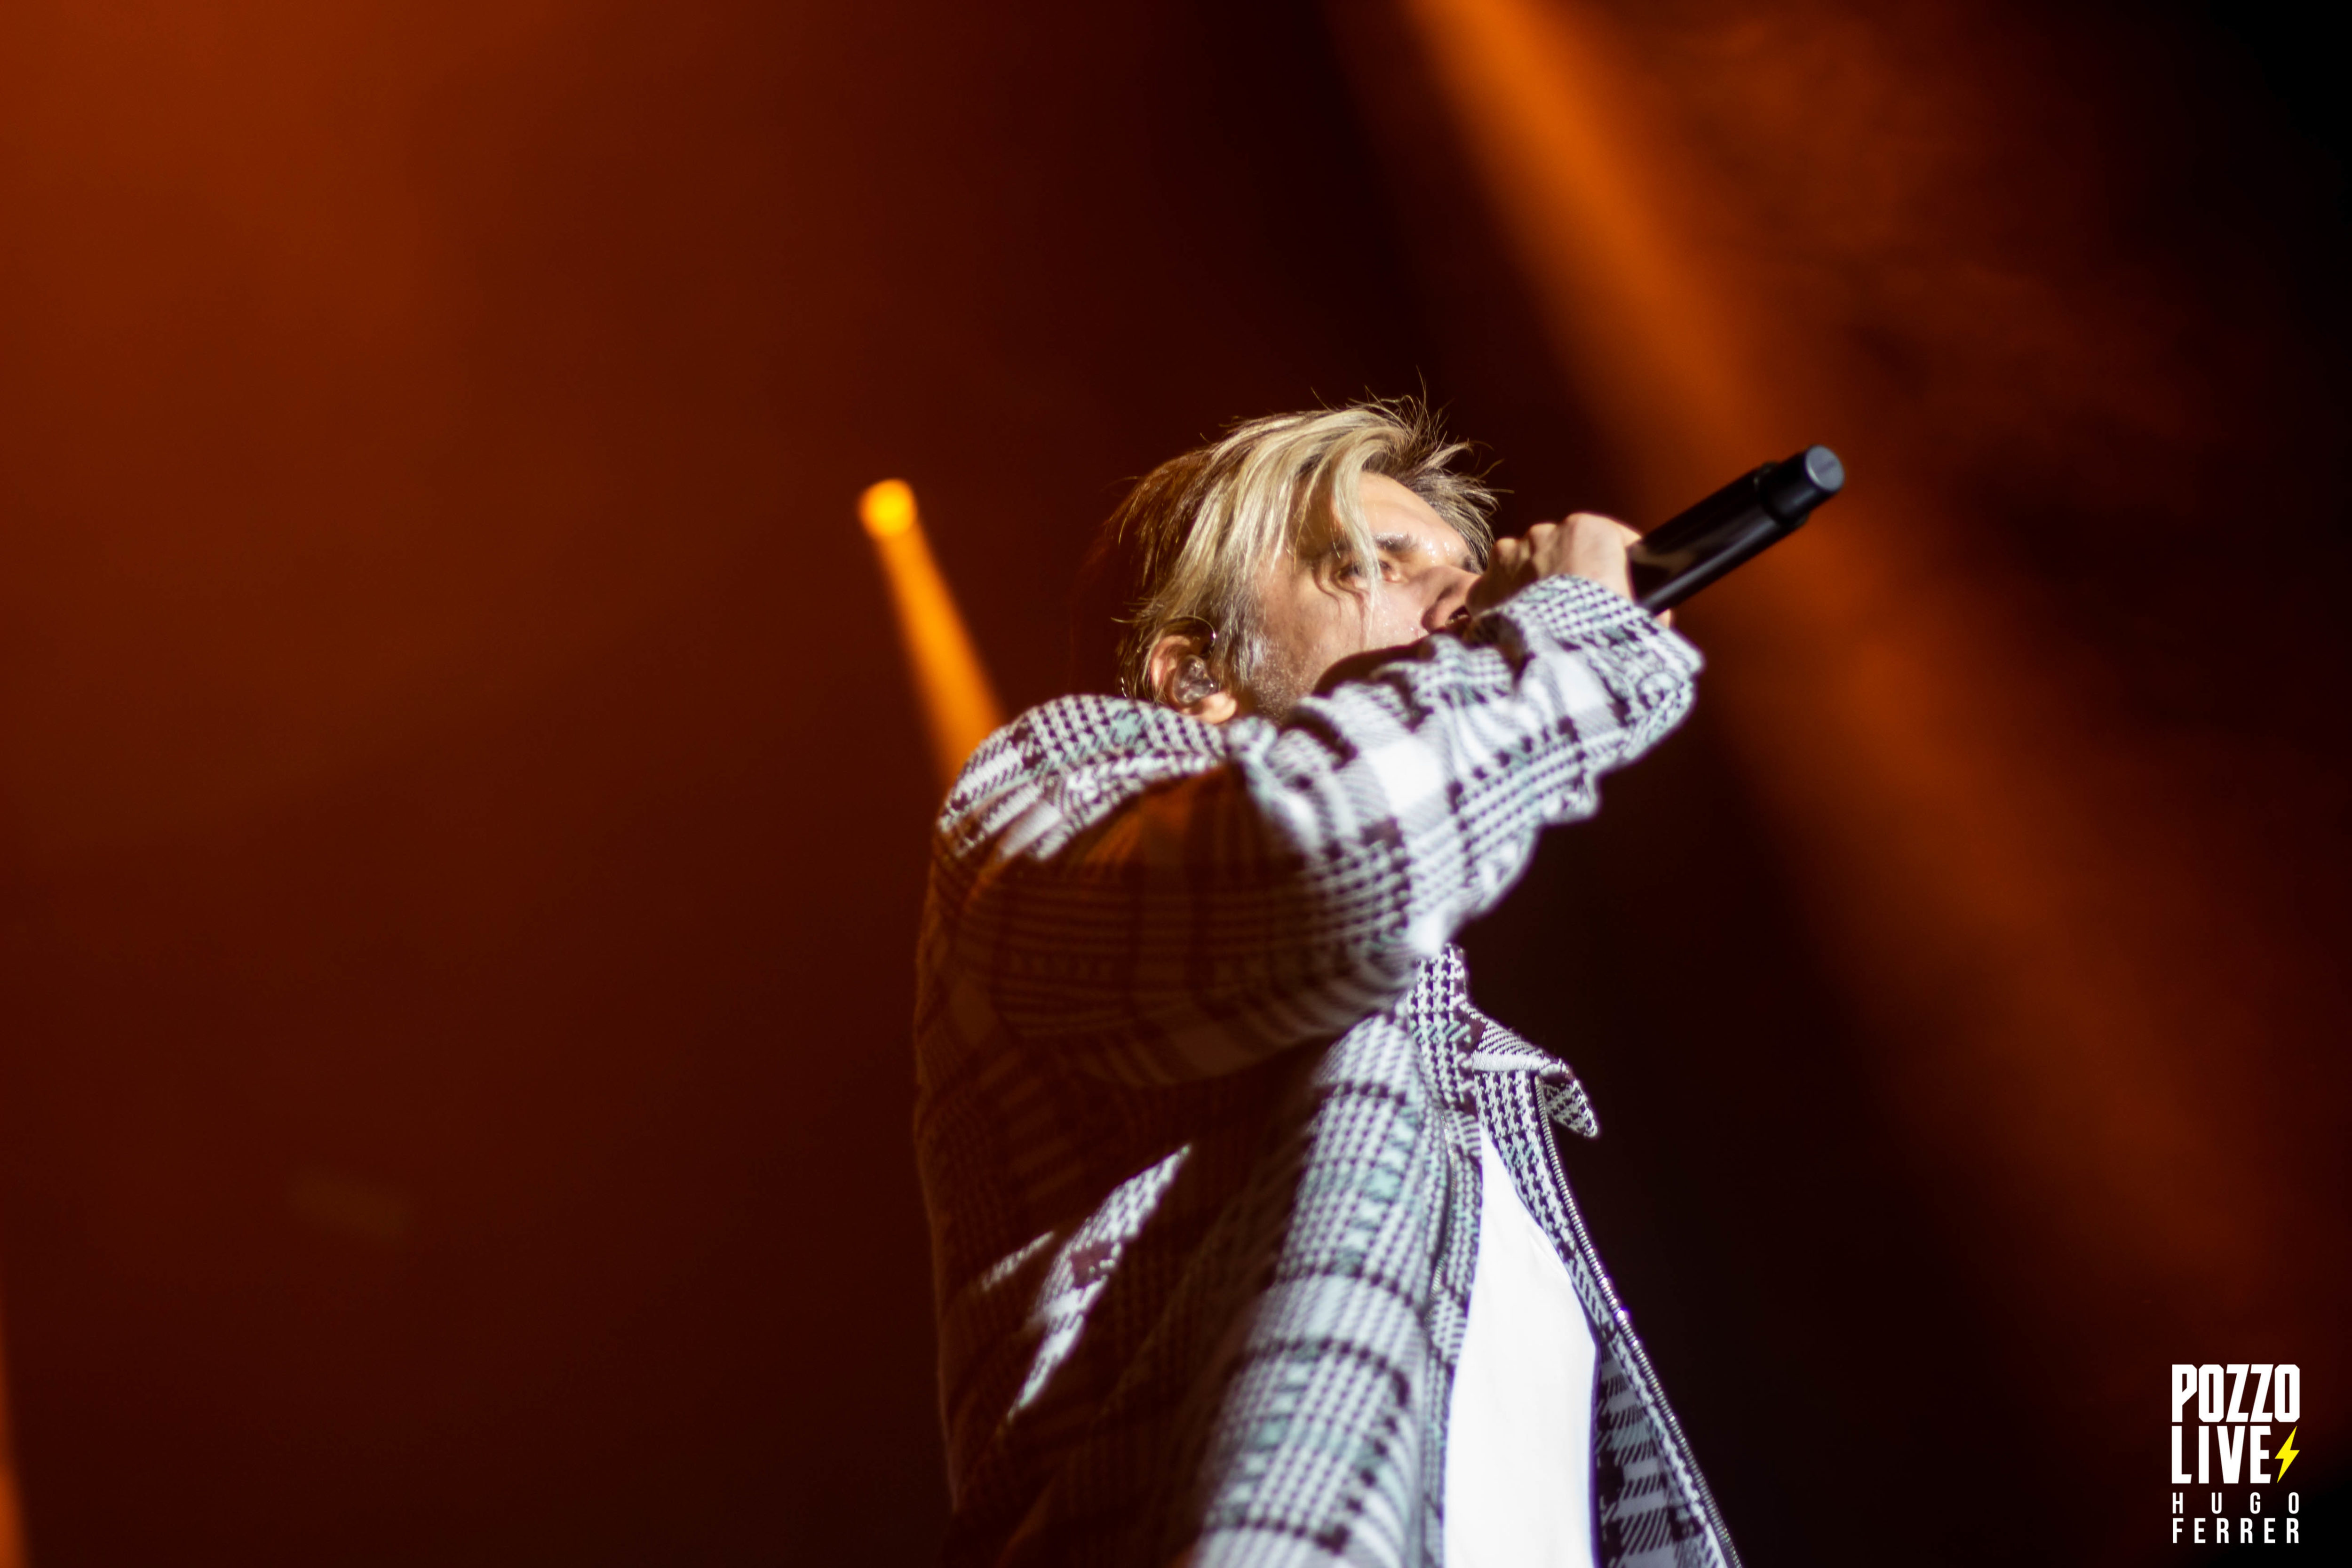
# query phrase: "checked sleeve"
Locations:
[[1152, 898]]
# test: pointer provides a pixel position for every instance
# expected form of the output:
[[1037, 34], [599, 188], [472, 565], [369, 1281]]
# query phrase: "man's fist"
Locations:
[[1587, 545]]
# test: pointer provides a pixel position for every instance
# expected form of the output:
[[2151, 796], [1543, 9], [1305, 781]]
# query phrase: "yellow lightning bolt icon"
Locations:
[[2286, 1454]]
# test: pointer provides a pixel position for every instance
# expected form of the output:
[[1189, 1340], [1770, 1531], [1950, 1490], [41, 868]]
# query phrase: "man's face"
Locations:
[[1319, 611]]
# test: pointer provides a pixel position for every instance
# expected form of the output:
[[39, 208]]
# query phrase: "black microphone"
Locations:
[[1685, 553]]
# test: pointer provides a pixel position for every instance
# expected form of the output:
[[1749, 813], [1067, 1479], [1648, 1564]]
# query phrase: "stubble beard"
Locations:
[[1279, 684]]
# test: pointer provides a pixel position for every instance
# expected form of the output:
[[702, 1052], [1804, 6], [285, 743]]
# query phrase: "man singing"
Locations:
[[1251, 1242]]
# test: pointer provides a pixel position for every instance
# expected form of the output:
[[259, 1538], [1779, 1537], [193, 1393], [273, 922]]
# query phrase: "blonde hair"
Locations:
[[1191, 540]]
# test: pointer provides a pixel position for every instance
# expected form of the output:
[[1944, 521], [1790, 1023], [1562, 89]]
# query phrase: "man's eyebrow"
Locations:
[[1408, 545]]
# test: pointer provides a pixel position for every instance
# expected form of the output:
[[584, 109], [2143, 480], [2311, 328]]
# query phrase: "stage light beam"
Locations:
[[1955, 845], [11, 1513], [960, 706]]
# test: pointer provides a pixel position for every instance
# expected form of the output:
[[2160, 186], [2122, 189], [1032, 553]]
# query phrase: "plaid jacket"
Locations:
[[1198, 1086]]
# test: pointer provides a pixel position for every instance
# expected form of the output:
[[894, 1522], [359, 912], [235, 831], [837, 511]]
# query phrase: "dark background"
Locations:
[[463, 811]]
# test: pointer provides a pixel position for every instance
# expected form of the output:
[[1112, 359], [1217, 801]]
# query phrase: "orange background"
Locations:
[[461, 801]]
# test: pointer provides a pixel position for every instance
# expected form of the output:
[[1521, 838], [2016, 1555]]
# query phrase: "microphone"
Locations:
[[1685, 553]]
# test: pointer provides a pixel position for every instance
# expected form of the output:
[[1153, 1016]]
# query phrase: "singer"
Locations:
[[1251, 1242]]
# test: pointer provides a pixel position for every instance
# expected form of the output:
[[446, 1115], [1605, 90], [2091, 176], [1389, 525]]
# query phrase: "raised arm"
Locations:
[[1155, 898]]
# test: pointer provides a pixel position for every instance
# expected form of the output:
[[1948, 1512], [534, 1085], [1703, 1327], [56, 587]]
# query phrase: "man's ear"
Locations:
[[1180, 678]]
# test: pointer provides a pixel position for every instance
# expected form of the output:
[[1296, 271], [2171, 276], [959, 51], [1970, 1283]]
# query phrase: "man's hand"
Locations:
[[1587, 545]]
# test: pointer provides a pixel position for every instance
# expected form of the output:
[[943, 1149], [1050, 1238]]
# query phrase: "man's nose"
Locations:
[[1449, 598]]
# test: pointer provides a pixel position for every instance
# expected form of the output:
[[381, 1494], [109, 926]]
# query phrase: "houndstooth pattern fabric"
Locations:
[[1653, 1508], [1199, 1093]]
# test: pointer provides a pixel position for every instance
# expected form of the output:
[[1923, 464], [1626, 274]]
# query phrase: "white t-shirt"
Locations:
[[1519, 1446]]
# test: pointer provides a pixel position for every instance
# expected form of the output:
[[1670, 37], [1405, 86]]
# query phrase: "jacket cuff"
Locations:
[[1577, 612]]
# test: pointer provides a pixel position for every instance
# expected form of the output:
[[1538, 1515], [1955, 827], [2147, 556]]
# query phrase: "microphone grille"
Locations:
[[1821, 467]]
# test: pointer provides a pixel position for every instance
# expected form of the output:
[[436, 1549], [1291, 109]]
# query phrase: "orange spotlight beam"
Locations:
[[11, 1513], [960, 706], [1963, 847]]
